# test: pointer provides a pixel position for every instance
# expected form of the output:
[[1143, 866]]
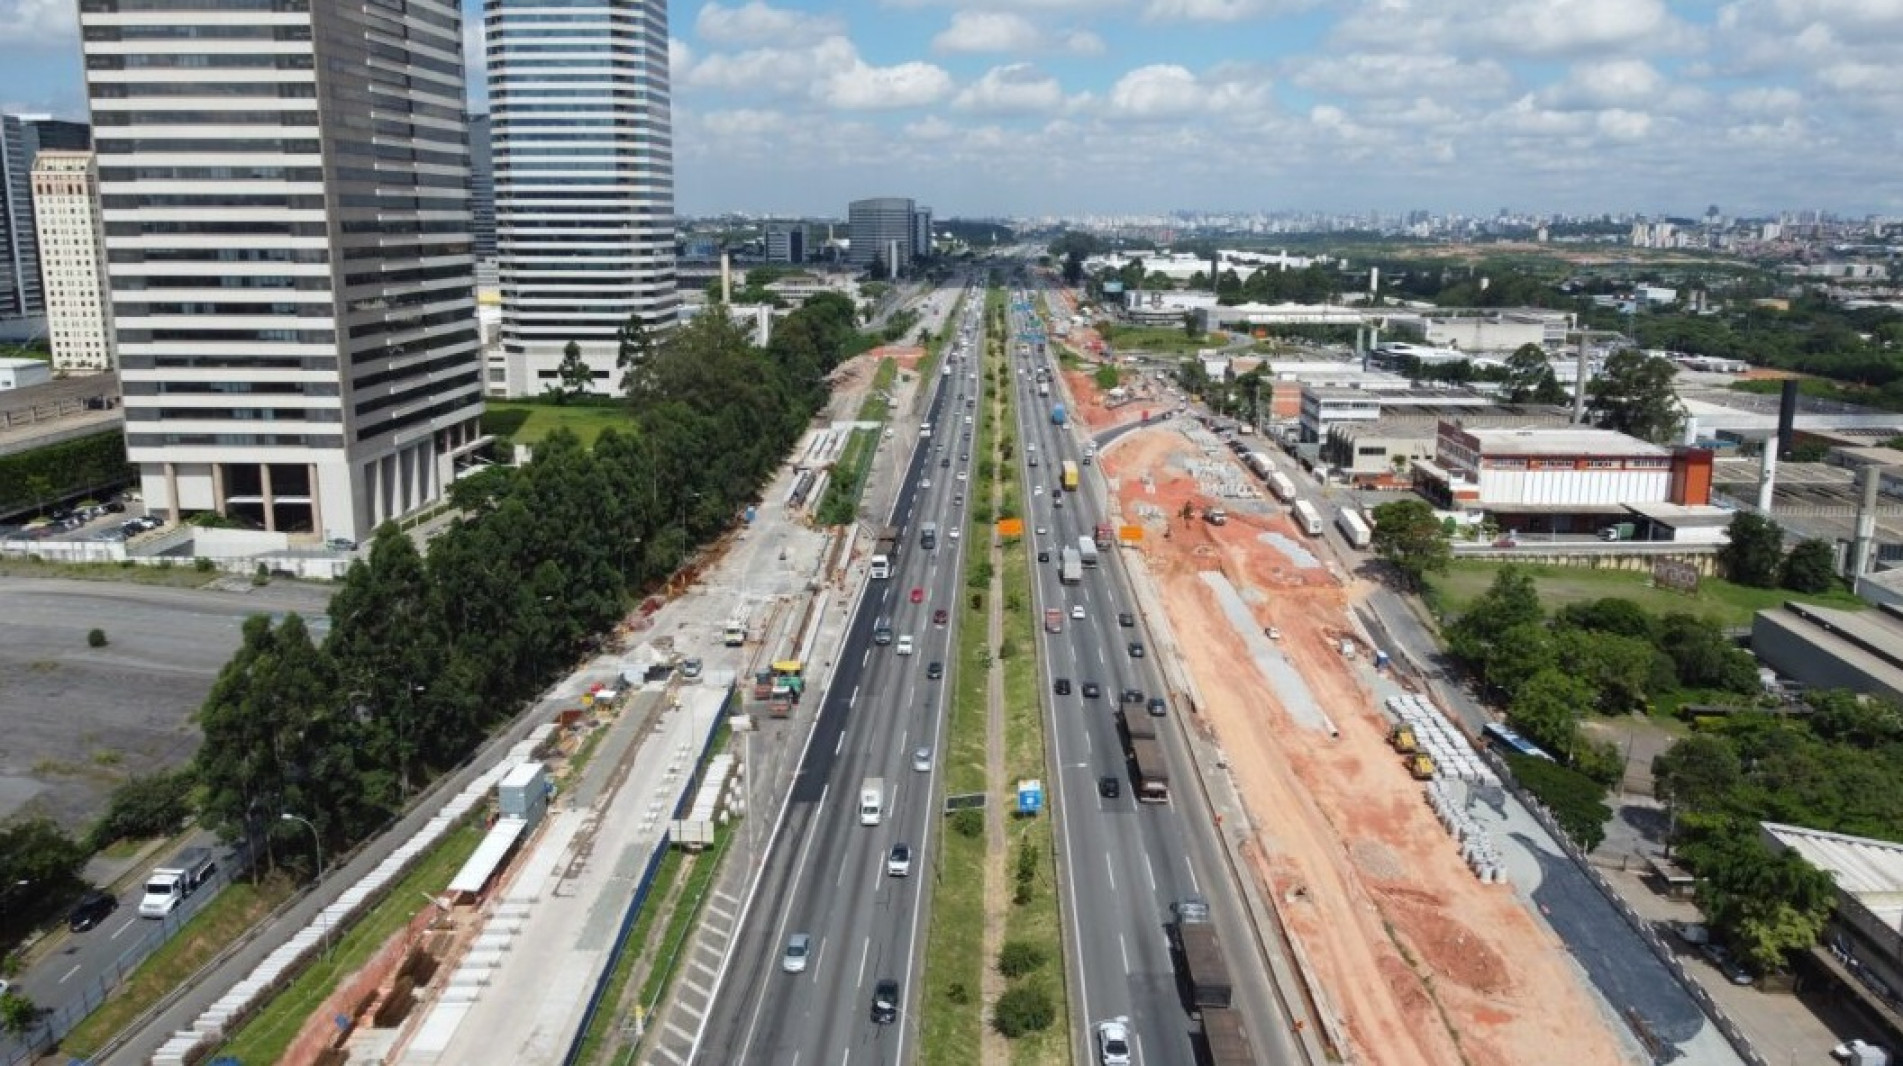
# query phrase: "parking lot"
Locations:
[[81, 719]]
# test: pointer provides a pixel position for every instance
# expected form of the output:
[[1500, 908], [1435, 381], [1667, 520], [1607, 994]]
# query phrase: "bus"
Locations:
[[1070, 476], [1087, 551], [1506, 740]]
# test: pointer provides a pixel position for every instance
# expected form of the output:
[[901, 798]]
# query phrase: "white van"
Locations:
[[871, 801], [905, 645]]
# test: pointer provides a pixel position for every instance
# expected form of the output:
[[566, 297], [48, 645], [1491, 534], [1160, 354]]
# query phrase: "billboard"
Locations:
[[1672, 574]]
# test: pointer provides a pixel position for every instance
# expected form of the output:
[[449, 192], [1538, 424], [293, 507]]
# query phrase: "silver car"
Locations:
[[798, 947]]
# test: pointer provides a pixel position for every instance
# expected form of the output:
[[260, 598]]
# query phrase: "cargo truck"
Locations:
[[1069, 479], [1282, 486], [174, 882], [1307, 517], [1205, 971], [885, 552], [1053, 620], [1070, 567], [1353, 527], [1152, 778], [1058, 416], [1087, 552], [1226, 1040], [1621, 531], [1102, 535]]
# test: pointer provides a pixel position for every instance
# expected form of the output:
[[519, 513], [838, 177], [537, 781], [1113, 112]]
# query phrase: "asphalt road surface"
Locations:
[[1125, 862], [826, 877]]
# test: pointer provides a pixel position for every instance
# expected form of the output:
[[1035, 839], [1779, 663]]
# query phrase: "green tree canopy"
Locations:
[[1811, 567], [1408, 536], [1530, 378], [1753, 550], [1511, 600], [1633, 394]]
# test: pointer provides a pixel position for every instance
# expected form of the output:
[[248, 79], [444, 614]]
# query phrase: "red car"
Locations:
[[939, 617], [918, 595]]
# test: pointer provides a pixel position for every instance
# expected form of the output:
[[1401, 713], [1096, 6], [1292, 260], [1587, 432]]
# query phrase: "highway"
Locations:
[[826, 875], [1123, 862]]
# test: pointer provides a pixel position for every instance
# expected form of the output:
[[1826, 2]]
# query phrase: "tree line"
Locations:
[[424, 655]]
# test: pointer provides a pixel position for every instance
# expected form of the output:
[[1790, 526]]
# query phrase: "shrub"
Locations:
[[1026, 1007], [203, 565], [968, 823], [1577, 801], [96, 638], [1019, 957], [143, 807], [262, 576]]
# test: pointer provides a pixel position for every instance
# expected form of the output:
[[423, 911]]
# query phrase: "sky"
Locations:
[[1079, 107]]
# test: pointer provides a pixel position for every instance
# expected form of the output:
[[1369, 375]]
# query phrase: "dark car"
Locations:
[[1092, 690], [115, 507], [1043, 557], [1133, 695], [1136, 649], [1061, 686], [1126, 620], [885, 1001], [1109, 787], [93, 907], [935, 670], [1157, 706], [945, 462], [939, 617]]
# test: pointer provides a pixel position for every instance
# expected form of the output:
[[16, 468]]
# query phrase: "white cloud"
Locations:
[[32, 23], [743, 123], [680, 59], [1216, 10], [1158, 91], [1766, 100], [1520, 28], [988, 31], [1613, 82], [863, 87], [1387, 75], [1017, 89], [1623, 125], [773, 70], [1083, 43], [758, 23]]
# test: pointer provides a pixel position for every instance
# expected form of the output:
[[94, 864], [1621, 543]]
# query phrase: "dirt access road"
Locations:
[[1419, 960]]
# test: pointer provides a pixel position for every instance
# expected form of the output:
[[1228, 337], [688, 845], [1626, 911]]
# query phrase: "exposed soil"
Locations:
[[1420, 961]]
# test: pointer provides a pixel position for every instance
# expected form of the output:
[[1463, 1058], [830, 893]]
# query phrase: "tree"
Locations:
[[1511, 600], [1106, 377], [572, 376], [1192, 326], [1408, 536], [633, 346], [1025, 1007], [1073, 267], [1811, 567], [18, 1014], [1608, 614], [1767, 904], [1530, 378], [1703, 656], [1697, 773], [1548, 708], [1633, 395], [1753, 550], [1621, 670]]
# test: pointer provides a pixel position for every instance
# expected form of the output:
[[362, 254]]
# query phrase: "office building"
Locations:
[[482, 187], [22, 137], [72, 261], [284, 188], [880, 229], [584, 179], [786, 242], [921, 232]]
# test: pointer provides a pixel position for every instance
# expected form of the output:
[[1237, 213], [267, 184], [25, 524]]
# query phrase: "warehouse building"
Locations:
[[1824, 647], [1859, 957], [1558, 481]]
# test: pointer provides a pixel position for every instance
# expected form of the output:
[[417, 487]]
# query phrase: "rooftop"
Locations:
[[1869, 870], [1683, 516], [1567, 441]]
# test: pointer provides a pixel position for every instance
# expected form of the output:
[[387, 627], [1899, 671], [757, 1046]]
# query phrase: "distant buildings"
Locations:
[[284, 191], [73, 261], [22, 137], [887, 228], [786, 242], [584, 181]]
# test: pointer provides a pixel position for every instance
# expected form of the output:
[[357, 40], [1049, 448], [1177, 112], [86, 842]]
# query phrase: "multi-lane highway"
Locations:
[[1124, 862], [827, 876]]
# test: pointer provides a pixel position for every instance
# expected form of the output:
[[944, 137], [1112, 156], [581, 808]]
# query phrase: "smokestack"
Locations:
[[1786, 416], [1864, 547], [1374, 281], [1767, 476], [726, 278], [1579, 382]]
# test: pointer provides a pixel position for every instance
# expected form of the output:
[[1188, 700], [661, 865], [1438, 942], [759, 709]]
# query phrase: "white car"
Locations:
[[798, 947], [961, 475], [898, 863], [1113, 1041], [1077, 610], [1037, 490], [925, 483], [922, 760], [905, 645], [954, 533]]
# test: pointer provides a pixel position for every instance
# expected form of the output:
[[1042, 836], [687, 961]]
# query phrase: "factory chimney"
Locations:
[[1579, 382], [1374, 281], [1863, 549], [1767, 476], [1786, 417], [726, 277]]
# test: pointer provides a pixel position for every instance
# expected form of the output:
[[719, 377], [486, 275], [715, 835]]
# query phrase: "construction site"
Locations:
[[1416, 946]]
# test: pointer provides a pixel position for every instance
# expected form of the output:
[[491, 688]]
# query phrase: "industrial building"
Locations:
[[1558, 481], [1825, 647], [287, 224], [23, 373], [1323, 407], [1859, 957], [1381, 453]]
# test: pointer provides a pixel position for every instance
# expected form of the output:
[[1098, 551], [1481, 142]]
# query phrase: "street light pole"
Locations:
[[319, 841]]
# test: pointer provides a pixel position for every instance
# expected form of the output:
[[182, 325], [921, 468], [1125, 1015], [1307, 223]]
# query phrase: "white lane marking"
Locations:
[[1123, 947], [1193, 886], [1151, 870], [864, 658], [865, 952], [69, 974], [130, 922], [1110, 871], [853, 700], [840, 745]]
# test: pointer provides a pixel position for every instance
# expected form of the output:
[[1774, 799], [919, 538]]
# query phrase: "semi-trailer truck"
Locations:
[[1152, 778], [1307, 517], [885, 552], [1353, 527], [1205, 970], [1282, 486]]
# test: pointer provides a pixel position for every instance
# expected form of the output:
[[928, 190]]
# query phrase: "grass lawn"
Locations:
[[265, 1037], [529, 422], [1151, 339], [1722, 601], [700, 875], [185, 576], [238, 907]]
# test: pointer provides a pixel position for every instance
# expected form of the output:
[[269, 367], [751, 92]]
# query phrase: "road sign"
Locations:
[[1030, 796]]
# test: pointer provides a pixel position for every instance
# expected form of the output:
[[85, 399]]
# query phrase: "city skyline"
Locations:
[[1146, 105]]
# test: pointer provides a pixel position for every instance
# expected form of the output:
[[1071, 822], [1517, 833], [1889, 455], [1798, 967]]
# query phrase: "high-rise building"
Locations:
[[875, 225], [584, 178], [786, 242], [72, 261], [921, 232], [482, 187], [21, 139], [284, 185]]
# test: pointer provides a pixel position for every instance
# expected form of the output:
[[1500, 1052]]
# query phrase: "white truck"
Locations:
[[871, 801], [173, 883], [1353, 527]]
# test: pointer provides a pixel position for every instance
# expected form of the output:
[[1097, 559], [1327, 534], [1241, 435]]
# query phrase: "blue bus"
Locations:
[[1507, 740]]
